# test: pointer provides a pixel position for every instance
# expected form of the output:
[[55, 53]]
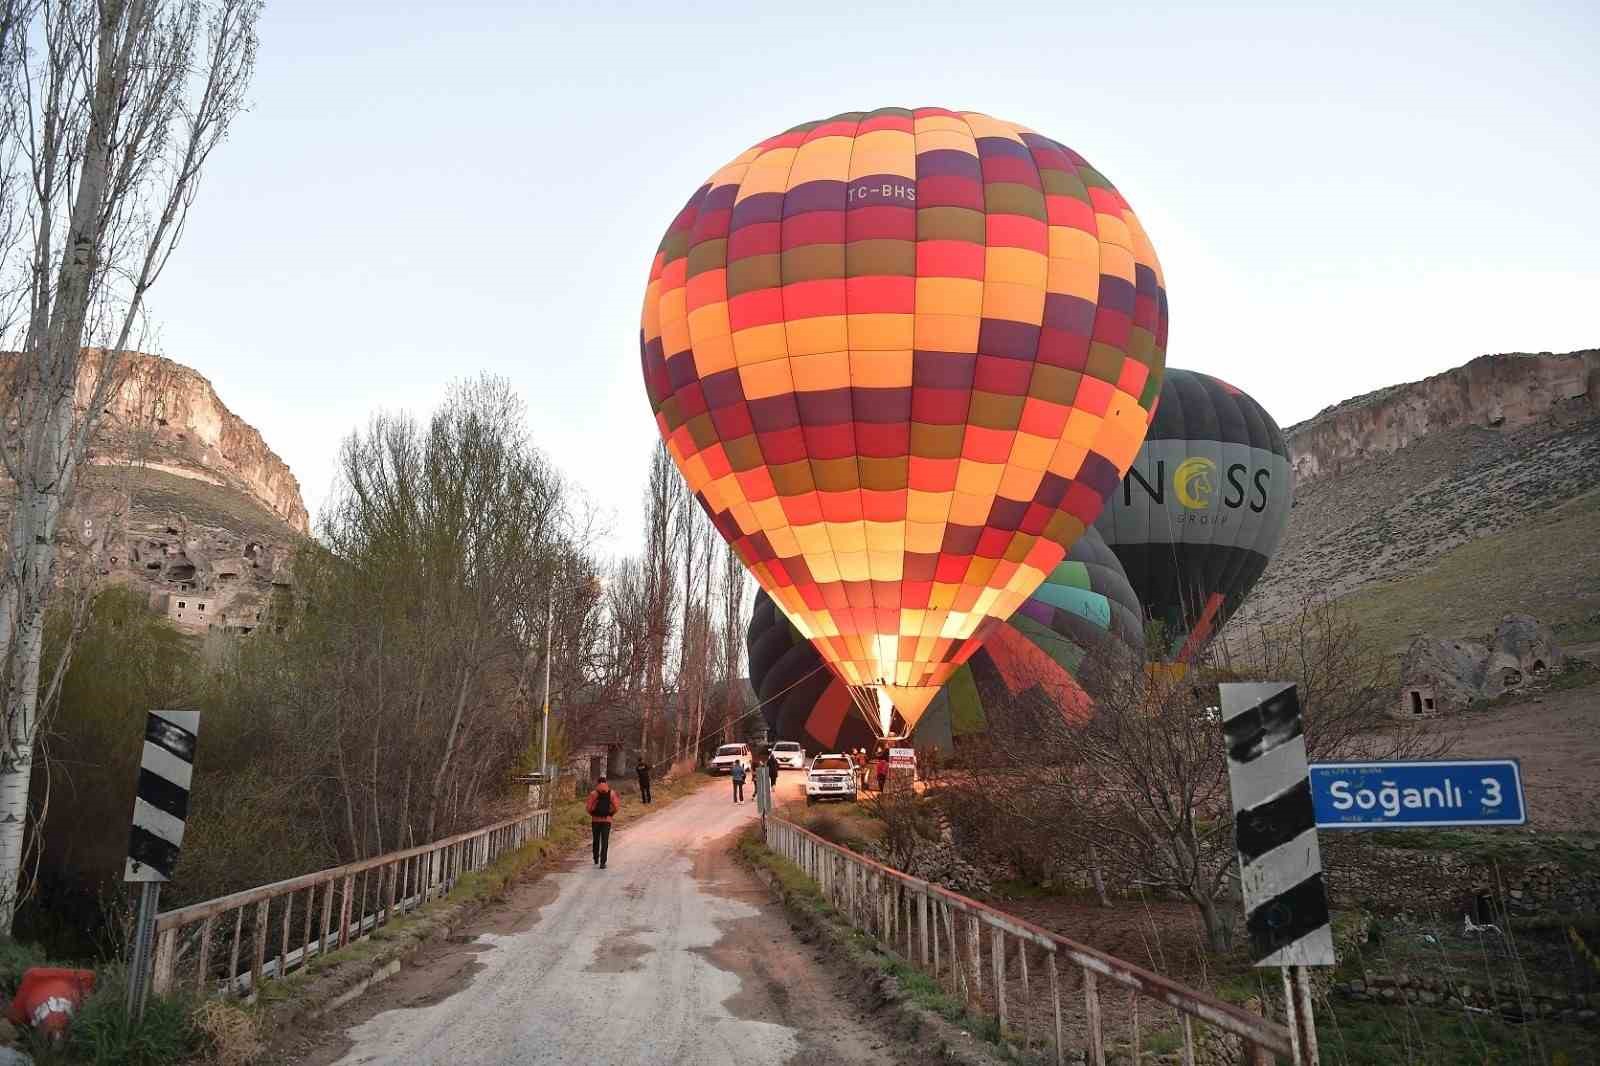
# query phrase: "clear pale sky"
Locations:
[[1340, 200]]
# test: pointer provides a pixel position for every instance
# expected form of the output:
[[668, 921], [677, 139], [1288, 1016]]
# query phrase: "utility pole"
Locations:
[[544, 740]]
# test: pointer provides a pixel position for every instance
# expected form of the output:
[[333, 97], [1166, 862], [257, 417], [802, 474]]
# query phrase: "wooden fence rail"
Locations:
[[320, 912], [940, 932]]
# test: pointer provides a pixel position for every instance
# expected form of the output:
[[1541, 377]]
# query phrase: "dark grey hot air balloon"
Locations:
[[1203, 508]]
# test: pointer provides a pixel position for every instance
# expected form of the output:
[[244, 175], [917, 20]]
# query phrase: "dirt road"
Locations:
[[673, 954]]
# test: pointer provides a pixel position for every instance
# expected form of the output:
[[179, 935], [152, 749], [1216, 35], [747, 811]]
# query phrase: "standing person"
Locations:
[[933, 763], [643, 770], [773, 766], [883, 768], [859, 757], [737, 773], [602, 806]]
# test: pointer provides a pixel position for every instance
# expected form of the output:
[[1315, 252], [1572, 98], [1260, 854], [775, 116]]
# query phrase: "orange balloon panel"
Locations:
[[902, 358]]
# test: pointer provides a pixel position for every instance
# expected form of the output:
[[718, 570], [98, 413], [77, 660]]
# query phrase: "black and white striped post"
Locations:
[[1275, 833], [160, 810]]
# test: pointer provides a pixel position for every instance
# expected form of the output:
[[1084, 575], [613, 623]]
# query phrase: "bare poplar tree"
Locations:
[[732, 633], [709, 648], [691, 653], [663, 496], [111, 109]]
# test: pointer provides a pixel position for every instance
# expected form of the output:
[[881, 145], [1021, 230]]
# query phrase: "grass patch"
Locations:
[[1580, 632], [1363, 1034], [16, 959], [801, 894], [1511, 849], [102, 1034], [1556, 579]]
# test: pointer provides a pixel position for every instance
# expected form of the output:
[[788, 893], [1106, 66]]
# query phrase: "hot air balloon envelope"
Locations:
[[902, 357], [1203, 509]]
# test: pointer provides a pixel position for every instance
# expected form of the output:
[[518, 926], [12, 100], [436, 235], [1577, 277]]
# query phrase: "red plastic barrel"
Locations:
[[49, 997]]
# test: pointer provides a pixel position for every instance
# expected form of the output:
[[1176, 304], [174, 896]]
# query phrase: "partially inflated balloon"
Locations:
[[902, 358], [1083, 608], [1203, 509]]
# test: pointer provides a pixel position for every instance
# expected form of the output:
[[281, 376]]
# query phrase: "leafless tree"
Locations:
[[1138, 789], [440, 553], [664, 496], [110, 110], [732, 627]]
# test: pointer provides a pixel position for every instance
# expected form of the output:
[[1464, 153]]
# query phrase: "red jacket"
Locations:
[[616, 803]]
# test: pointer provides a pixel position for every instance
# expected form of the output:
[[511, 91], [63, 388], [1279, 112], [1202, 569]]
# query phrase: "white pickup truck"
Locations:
[[791, 756], [830, 777], [722, 762]]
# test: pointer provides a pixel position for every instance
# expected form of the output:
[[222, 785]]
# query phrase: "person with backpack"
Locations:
[[737, 773], [602, 806], [643, 770]]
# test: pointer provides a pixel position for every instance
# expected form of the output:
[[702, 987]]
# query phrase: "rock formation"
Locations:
[[182, 500], [173, 415], [1502, 392], [1440, 675], [1390, 482]]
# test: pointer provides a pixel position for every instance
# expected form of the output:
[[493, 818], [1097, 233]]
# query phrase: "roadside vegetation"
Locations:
[[395, 689]]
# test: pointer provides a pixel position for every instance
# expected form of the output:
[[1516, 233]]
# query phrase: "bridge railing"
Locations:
[[277, 929], [942, 933]]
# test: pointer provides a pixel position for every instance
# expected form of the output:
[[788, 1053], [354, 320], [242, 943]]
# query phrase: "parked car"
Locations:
[[790, 754], [722, 762], [830, 776]]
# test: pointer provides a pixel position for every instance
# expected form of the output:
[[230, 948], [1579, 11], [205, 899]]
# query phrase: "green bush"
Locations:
[[102, 1034], [15, 959]]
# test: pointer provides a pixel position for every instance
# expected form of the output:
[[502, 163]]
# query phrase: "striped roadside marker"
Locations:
[[161, 805], [1275, 826]]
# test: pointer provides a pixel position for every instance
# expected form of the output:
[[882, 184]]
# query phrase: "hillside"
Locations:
[[183, 500], [1437, 505]]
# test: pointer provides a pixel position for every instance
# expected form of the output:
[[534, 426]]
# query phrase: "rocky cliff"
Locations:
[[1446, 501], [1501, 392], [182, 501], [170, 417]]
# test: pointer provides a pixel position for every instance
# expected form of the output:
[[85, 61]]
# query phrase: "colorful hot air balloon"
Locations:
[[1203, 509], [901, 358], [1085, 602]]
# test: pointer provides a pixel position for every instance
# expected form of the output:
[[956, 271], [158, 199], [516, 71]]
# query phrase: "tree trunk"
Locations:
[[1217, 937], [449, 748], [40, 501]]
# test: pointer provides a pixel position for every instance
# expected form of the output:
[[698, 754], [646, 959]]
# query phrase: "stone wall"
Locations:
[[1505, 1000]]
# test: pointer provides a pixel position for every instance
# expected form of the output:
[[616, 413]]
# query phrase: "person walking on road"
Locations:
[[773, 766], [737, 773], [602, 806], [643, 770]]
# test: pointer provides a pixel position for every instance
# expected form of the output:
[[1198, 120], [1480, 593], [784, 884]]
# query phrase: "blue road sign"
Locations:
[[1374, 795]]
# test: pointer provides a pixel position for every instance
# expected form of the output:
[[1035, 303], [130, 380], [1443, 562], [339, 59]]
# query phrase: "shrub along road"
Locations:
[[673, 954]]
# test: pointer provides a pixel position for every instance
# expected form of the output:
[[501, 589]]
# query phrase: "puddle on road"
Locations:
[[620, 952], [779, 983]]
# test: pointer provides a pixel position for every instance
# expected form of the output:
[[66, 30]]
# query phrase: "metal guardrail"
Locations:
[[940, 932], [355, 900]]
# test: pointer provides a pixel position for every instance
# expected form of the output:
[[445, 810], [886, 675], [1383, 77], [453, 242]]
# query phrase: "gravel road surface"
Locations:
[[672, 955]]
